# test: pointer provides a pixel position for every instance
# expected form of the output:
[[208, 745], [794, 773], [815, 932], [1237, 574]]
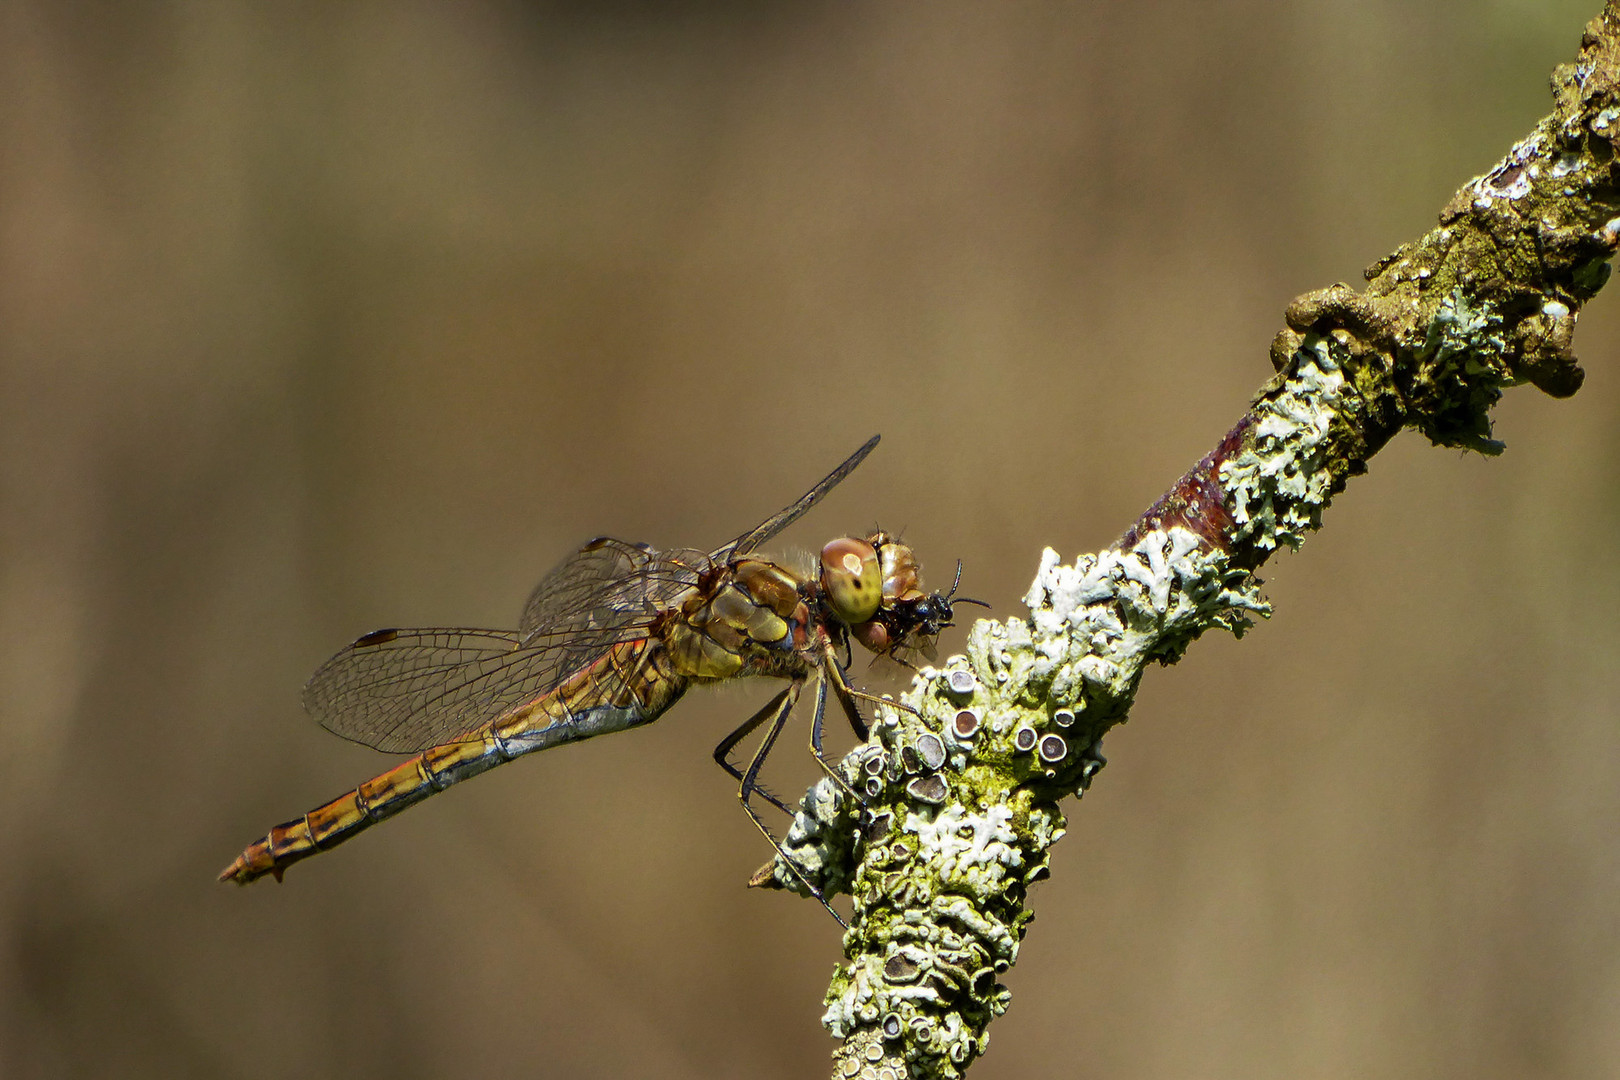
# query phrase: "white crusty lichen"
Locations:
[[960, 785], [1278, 484], [818, 842], [1511, 179], [975, 850], [1094, 625]]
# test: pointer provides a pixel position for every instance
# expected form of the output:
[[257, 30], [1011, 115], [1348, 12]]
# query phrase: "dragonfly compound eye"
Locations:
[[852, 579]]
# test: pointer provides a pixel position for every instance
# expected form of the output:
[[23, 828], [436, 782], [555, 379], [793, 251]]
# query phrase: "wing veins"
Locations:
[[425, 687]]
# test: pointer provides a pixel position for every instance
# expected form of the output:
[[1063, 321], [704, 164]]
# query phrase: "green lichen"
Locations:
[[1279, 483], [961, 783], [1464, 360]]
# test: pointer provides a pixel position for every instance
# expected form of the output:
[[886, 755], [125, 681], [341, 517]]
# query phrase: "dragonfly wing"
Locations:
[[402, 691], [780, 520], [610, 582], [605, 585]]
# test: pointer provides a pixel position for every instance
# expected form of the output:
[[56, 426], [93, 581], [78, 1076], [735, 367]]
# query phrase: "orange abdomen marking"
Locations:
[[632, 684]]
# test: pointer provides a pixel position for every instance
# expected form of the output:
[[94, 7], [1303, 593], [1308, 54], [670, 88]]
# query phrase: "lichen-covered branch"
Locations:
[[963, 782]]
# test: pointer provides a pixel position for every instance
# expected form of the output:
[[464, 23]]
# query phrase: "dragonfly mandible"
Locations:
[[609, 640]]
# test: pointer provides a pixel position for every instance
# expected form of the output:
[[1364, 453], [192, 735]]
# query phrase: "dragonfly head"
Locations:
[[897, 615]]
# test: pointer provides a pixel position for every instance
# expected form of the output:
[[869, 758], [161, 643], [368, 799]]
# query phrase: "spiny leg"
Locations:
[[722, 753], [847, 695], [788, 698], [834, 670], [817, 717]]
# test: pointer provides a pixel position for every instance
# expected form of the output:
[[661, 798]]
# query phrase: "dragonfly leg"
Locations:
[[722, 753], [848, 696], [818, 715], [838, 673], [783, 708]]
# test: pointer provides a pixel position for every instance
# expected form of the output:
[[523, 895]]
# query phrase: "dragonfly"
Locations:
[[610, 640]]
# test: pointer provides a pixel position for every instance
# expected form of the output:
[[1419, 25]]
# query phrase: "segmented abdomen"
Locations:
[[632, 683]]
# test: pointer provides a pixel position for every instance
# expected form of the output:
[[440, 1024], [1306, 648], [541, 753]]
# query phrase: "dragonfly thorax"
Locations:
[[752, 616], [748, 616]]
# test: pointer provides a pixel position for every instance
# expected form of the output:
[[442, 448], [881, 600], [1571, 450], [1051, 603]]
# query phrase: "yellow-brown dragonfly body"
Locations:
[[609, 640]]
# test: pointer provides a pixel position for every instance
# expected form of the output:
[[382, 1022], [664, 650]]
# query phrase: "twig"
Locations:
[[964, 794]]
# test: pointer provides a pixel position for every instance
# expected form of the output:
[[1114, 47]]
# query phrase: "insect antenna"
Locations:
[[952, 598]]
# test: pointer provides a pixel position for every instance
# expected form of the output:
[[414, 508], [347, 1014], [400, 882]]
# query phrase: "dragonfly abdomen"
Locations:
[[632, 684]]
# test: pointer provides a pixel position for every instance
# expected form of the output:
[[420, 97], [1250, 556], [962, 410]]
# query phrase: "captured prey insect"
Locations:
[[609, 640]]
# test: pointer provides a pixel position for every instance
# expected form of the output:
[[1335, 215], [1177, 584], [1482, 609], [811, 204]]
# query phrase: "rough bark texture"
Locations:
[[964, 785]]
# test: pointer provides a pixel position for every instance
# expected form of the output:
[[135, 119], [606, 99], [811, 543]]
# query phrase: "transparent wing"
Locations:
[[403, 691], [780, 520], [606, 585], [609, 584], [607, 580], [406, 690]]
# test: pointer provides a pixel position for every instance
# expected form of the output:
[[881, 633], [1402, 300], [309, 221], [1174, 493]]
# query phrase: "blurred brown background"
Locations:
[[317, 318]]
